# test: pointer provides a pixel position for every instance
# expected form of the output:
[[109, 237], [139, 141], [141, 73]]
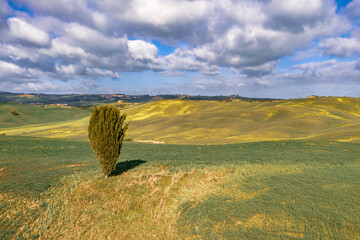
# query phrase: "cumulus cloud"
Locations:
[[353, 9], [11, 72], [242, 43], [78, 11], [320, 78], [22, 31], [294, 15], [79, 86], [188, 60], [341, 47], [95, 39], [142, 50], [5, 10], [260, 70]]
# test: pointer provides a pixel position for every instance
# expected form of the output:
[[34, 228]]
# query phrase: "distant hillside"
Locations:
[[194, 122], [87, 100], [18, 115], [202, 122], [84, 100], [19, 119]]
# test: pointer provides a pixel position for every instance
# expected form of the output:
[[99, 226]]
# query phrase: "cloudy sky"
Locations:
[[253, 48]]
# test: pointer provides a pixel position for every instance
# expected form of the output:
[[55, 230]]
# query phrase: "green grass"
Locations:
[[32, 114], [289, 189], [54, 189]]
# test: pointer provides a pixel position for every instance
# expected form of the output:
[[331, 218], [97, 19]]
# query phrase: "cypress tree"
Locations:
[[106, 133]]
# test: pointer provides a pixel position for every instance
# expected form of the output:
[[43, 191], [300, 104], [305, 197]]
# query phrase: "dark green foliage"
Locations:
[[106, 133], [15, 113]]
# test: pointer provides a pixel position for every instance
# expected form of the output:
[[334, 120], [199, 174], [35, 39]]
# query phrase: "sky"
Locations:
[[252, 48]]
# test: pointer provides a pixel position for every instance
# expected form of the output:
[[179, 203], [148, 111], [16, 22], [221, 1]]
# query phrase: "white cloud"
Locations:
[[328, 78], [11, 72], [59, 49], [80, 86], [306, 54], [9, 69], [353, 9], [162, 13], [184, 59], [92, 40], [296, 8], [18, 53], [341, 47], [260, 70], [142, 50], [22, 30], [89, 39], [4, 9]]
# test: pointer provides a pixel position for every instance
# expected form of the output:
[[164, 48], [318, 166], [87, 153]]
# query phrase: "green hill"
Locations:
[[32, 118], [32, 114]]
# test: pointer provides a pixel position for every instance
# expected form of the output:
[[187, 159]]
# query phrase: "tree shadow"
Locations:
[[122, 167]]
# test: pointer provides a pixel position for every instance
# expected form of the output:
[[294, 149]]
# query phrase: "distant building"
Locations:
[[313, 96], [59, 104]]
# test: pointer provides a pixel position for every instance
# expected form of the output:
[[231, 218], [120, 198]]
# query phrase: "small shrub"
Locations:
[[15, 113], [106, 133]]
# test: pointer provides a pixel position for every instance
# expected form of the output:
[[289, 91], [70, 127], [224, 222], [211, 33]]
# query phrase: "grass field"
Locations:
[[286, 169], [49, 121], [213, 122], [54, 189], [33, 115]]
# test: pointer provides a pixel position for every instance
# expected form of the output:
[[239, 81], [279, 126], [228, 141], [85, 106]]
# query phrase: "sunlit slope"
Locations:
[[214, 122], [176, 121], [43, 120]]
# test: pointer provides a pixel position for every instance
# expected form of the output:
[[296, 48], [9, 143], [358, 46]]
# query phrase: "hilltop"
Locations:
[[88, 100]]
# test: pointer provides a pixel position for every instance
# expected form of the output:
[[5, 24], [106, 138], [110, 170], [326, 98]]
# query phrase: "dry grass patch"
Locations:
[[14, 224], [142, 204]]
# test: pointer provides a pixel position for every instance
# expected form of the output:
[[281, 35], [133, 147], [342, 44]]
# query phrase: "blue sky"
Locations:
[[342, 3], [254, 48]]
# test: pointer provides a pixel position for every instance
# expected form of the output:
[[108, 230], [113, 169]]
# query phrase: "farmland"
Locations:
[[284, 169]]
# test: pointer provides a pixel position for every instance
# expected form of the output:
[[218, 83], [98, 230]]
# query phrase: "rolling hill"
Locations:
[[301, 187], [215, 122]]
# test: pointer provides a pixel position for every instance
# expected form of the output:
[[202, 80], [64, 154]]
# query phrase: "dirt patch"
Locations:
[[26, 96], [1, 169], [67, 166], [76, 165], [150, 141]]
